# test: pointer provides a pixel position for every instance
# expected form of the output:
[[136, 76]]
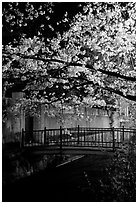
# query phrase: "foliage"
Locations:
[[128, 113], [36, 19], [120, 178], [103, 41], [88, 63]]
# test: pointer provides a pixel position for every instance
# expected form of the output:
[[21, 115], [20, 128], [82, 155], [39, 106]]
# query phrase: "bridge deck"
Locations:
[[67, 150]]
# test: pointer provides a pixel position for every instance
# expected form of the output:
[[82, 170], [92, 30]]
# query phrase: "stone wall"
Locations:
[[11, 128], [88, 118]]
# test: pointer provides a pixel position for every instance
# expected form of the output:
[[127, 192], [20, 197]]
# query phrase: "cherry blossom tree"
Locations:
[[90, 63]]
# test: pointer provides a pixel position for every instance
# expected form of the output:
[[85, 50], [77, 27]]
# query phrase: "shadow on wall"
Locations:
[[11, 137]]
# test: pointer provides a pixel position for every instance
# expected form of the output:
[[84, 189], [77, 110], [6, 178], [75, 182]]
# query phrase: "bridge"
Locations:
[[76, 140]]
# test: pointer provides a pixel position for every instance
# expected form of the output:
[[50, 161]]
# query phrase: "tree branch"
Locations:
[[120, 93], [128, 78]]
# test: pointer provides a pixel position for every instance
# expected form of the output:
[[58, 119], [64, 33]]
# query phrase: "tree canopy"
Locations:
[[83, 57]]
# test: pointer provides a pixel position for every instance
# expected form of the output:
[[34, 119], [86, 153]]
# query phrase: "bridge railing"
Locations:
[[78, 136]]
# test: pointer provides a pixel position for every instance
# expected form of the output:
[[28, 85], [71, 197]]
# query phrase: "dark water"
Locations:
[[76, 181]]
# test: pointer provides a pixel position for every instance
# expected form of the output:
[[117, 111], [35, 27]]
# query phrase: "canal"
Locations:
[[77, 181]]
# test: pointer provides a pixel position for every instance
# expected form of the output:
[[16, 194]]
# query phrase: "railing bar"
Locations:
[[102, 139], [96, 141], [40, 137], [55, 139], [53, 136]]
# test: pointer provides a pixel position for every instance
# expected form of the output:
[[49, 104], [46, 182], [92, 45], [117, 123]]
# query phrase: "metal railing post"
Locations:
[[123, 136], [84, 137], [45, 135], [78, 133], [61, 139], [22, 138], [102, 137], [113, 139]]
